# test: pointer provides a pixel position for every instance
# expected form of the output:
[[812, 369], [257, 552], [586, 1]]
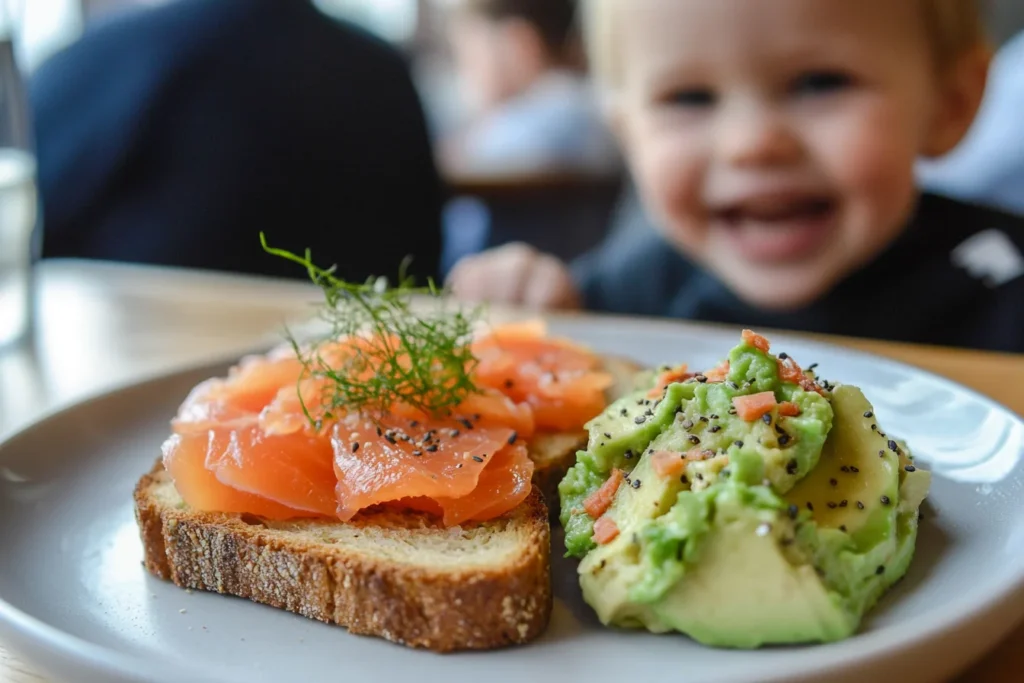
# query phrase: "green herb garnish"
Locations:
[[420, 357]]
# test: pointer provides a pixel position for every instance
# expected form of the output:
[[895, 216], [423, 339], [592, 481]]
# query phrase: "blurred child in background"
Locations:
[[774, 145], [532, 107]]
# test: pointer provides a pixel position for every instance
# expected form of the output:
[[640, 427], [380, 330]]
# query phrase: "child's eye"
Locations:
[[691, 97], [821, 82]]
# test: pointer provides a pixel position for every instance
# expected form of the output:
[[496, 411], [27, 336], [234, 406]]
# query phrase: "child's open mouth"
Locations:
[[778, 228]]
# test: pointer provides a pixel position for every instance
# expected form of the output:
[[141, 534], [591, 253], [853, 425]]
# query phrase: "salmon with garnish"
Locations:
[[263, 441]]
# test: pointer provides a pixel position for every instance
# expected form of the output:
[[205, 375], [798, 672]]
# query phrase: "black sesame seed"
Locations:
[[844, 468], [868, 413], [694, 439], [703, 419], [512, 439], [715, 428], [833, 482], [466, 423], [683, 479], [792, 510], [640, 419], [624, 412], [607, 435], [910, 468], [832, 505], [784, 439], [477, 458], [791, 466], [390, 438], [701, 378], [860, 505], [454, 433], [812, 366], [628, 455], [854, 469], [893, 447], [379, 432], [767, 418], [873, 426], [636, 483], [732, 411], [417, 453], [733, 385], [880, 570], [810, 506], [432, 448], [459, 466], [843, 503], [881, 454], [885, 500], [700, 477], [784, 355], [355, 446], [738, 444], [842, 527]]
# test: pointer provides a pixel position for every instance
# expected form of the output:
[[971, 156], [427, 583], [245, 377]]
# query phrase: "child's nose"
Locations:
[[755, 135]]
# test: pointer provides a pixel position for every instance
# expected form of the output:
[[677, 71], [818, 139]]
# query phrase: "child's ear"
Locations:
[[961, 91]]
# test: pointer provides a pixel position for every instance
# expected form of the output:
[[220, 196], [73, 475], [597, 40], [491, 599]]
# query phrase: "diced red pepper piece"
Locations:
[[719, 373], [752, 407], [598, 502], [679, 373], [668, 463], [789, 409], [757, 341], [605, 530]]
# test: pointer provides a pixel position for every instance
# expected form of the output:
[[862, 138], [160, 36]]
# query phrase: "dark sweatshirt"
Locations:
[[954, 277], [175, 135]]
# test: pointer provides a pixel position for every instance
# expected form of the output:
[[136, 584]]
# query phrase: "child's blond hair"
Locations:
[[954, 26]]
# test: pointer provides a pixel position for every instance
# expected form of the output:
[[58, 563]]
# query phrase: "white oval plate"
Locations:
[[75, 599]]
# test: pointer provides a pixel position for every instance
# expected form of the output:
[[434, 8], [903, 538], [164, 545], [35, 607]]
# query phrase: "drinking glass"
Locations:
[[18, 202]]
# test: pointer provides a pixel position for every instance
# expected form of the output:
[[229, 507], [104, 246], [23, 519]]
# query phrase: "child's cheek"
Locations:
[[870, 158], [669, 179]]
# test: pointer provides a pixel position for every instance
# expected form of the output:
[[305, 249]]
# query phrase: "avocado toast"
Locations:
[[744, 506]]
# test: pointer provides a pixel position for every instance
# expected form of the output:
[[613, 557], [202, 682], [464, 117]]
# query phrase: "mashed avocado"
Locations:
[[741, 528]]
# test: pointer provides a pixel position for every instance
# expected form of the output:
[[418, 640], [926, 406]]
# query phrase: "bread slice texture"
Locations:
[[398, 576]]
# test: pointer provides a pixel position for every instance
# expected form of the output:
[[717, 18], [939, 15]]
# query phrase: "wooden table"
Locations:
[[102, 325]]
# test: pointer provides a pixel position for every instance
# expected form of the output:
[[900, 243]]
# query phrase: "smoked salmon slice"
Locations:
[[560, 380], [265, 439], [443, 460], [184, 457]]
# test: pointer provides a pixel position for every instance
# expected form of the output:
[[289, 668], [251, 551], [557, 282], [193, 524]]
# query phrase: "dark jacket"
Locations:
[[175, 135], [954, 277]]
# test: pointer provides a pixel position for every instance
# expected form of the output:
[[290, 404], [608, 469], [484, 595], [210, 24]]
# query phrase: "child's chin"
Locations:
[[773, 290]]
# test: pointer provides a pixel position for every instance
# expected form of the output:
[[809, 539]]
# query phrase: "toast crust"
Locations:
[[415, 604]]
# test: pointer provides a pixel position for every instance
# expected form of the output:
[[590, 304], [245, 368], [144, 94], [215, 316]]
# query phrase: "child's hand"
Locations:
[[514, 274]]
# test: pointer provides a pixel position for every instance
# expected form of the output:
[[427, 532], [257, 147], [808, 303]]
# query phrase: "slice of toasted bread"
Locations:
[[553, 453], [399, 576]]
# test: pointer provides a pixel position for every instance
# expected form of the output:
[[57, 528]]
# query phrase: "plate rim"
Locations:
[[24, 631]]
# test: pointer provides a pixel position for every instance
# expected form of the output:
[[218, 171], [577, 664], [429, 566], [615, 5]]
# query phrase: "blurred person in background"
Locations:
[[774, 147], [533, 119], [174, 135], [532, 107]]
